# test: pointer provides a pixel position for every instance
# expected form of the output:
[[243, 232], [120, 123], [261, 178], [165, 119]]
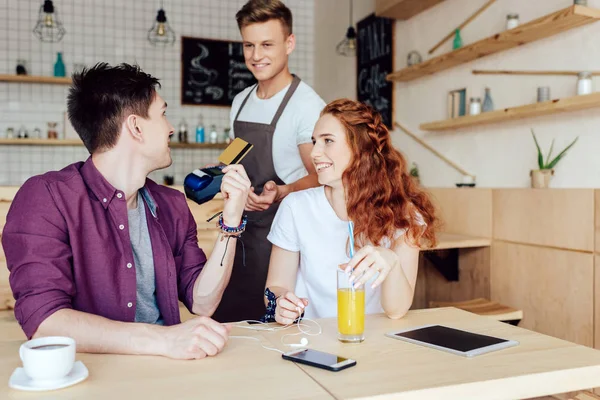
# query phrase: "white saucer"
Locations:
[[19, 380]]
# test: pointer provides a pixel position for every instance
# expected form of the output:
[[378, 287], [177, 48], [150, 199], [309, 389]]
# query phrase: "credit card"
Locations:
[[235, 152]]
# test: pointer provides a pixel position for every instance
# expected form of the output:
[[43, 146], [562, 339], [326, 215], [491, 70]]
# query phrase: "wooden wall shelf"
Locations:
[[198, 145], [36, 79], [402, 9], [530, 110], [41, 142], [77, 142], [549, 25]]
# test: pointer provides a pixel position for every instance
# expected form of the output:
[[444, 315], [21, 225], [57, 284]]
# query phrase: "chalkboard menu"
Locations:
[[375, 59], [213, 71]]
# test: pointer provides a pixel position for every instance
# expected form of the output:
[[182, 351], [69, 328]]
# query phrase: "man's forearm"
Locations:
[[309, 181], [95, 334], [212, 281]]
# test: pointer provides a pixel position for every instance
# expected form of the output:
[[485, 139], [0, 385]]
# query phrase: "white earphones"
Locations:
[[300, 325], [303, 343]]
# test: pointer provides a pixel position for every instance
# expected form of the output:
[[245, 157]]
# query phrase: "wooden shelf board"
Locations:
[[174, 145], [402, 9], [456, 241], [36, 79], [530, 110], [77, 142], [546, 26], [41, 142]]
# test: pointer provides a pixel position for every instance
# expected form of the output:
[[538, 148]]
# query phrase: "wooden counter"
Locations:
[[391, 369], [386, 368]]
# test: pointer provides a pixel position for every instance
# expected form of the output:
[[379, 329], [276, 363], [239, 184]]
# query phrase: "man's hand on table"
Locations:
[[195, 339]]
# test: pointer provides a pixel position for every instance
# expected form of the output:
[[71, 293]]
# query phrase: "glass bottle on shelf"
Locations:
[[213, 137], [226, 138], [52, 133], [10, 132], [488, 103], [457, 44], [23, 133], [200, 131], [182, 135], [59, 65]]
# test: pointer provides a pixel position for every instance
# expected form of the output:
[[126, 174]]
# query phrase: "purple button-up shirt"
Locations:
[[67, 245]]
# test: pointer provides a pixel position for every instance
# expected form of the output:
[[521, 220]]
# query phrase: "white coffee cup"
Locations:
[[48, 358]]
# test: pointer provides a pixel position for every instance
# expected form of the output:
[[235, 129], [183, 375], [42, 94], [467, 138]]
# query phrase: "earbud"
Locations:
[[303, 342]]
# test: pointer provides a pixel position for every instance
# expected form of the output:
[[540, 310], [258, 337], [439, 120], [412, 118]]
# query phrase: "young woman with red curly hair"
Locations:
[[365, 181]]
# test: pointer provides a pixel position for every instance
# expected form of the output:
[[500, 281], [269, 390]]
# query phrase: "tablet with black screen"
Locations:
[[452, 340]]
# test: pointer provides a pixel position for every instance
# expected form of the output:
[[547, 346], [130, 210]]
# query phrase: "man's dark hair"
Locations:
[[258, 11], [102, 96]]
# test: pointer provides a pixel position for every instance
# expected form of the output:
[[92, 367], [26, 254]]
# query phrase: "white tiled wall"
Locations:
[[115, 31]]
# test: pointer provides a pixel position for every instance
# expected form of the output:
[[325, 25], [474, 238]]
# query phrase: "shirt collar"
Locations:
[[94, 180], [105, 192], [149, 200]]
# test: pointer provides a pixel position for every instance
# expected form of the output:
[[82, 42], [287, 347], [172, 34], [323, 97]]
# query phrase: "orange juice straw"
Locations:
[[351, 234]]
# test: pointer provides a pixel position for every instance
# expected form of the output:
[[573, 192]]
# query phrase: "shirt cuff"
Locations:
[[30, 318], [188, 300]]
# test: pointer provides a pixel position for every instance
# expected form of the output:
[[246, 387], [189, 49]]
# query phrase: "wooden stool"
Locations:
[[485, 308]]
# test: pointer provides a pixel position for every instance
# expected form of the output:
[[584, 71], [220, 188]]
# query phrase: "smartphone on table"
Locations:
[[319, 359]]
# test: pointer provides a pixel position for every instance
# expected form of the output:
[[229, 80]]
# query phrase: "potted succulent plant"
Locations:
[[540, 178], [414, 173]]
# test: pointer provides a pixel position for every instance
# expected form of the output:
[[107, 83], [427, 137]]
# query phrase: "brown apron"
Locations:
[[244, 296]]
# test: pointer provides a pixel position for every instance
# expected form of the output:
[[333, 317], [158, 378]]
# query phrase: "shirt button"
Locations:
[[130, 304], [121, 227], [104, 200], [129, 265], [119, 195]]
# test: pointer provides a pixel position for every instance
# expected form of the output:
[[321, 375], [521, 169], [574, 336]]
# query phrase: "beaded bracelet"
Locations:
[[229, 231], [272, 306], [270, 311]]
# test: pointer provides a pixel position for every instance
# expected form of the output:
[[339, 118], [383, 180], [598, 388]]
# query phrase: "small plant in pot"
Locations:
[[414, 173], [540, 178]]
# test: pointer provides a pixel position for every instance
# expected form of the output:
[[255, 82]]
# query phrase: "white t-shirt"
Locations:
[[295, 126], [306, 223]]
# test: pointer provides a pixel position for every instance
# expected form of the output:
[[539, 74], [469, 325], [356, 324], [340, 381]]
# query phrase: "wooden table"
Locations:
[[391, 369], [242, 370], [386, 368]]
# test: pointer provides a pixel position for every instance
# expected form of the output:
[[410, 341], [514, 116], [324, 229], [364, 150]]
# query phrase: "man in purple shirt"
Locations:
[[72, 258]]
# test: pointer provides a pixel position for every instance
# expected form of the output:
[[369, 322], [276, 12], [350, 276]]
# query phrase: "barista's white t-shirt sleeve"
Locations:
[[284, 232]]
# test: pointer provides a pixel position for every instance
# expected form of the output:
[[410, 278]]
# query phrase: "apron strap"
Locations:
[[244, 102], [285, 100]]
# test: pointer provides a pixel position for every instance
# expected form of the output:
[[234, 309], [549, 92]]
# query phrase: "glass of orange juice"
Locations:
[[351, 310]]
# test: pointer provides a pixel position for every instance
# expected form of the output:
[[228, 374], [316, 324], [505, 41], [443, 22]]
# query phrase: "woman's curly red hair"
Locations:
[[381, 197]]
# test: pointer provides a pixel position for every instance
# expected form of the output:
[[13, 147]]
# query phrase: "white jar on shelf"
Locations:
[[475, 106], [512, 21], [584, 83]]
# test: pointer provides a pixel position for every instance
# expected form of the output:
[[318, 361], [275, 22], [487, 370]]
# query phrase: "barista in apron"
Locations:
[[244, 296]]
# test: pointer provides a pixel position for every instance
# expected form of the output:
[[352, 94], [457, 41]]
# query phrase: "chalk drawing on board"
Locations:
[[215, 91], [201, 76], [370, 81]]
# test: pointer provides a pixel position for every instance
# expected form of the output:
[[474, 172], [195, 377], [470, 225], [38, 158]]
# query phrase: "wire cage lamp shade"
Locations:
[[161, 32], [49, 27], [347, 47]]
